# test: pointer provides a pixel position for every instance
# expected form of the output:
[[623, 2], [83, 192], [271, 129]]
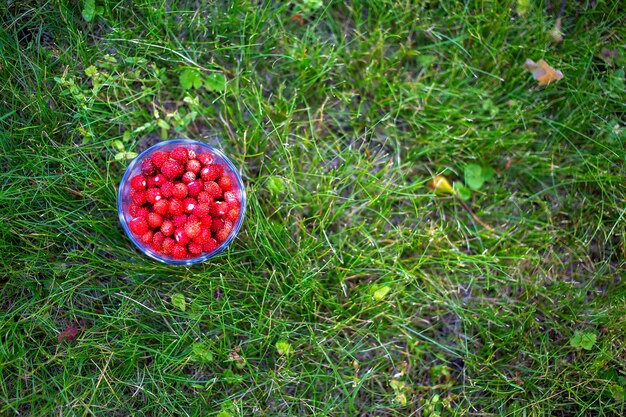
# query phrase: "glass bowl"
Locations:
[[125, 200]]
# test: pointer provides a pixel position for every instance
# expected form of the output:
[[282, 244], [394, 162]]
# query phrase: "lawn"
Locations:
[[353, 288]]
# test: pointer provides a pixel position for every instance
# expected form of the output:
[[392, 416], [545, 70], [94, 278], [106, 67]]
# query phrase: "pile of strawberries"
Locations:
[[183, 205]]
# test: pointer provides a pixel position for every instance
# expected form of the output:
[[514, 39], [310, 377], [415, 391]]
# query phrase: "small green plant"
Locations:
[[475, 177], [584, 340]]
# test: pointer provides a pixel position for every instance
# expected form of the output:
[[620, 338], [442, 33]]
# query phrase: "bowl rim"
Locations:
[[124, 183]]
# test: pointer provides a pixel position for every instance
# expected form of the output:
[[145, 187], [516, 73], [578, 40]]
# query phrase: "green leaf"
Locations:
[[276, 185], [523, 6], [474, 176], [488, 173], [284, 348], [215, 82], [224, 414], [179, 301], [89, 10], [462, 191], [584, 340], [163, 124], [380, 293], [91, 71], [118, 145], [201, 353], [190, 78]]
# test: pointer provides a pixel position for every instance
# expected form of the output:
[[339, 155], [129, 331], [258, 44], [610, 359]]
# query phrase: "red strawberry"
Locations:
[[157, 241], [150, 182], [195, 248], [205, 159], [167, 228], [159, 180], [138, 182], [147, 167], [204, 197], [194, 166], [210, 246], [195, 187], [168, 245], [142, 212], [206, 221], [222, 235], [161, 207], [171, 169], [153, 195], [228, 225], [189, 204], [191, 154], [132, 209], [181, 237], [147, 237], [192, 229], [139, 197], [180, 190], [167, 188], [180, 220], [204, 236], [216, 225], [209, 172], [225, 183], [230, 197], [180, 154], [188, 177], [159, 157], [201, 210], [233, 214], [138, 226], [213, 189], [219, 209], [179, 251], [176, 206], [154, 220]]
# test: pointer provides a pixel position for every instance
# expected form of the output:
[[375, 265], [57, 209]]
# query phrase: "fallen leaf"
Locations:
[[555, 33], [69, 333], [441, 186], [542, 72]]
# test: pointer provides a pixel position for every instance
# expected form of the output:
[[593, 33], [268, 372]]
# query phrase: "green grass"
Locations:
[[393, 301]]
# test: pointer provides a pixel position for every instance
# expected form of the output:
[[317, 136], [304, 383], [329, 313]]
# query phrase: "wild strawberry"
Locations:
[[157, 241], [142, 212], [167, 188], [168, 245], [189, 204], [147, 237], [159, 180], [194, 166], [180, 190], [219, 209], [150, 182], [139, 197], [213, 189], [180, 220], [154, 220], [153, 195], [204, 236], [192, 229], [132, 209], [191, 154], [225, 183], [138, 182], [138, 226], [181, 237], [204, 197], [210, 246], [195, 248], [180, 154], [171, 169], [209, 172], [161, 207], [216, 225], [201, 210], [159, 157], [167, 228], [233, 214], [176, 207], [205, 158], [188, 177], [230, 197], [195, 187], [147, 167], [179, 251], [228, 225], [206, 221], [222, 235]]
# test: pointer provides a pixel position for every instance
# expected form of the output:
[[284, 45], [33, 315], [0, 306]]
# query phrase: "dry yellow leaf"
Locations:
[[542, 72], [441, 186]]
